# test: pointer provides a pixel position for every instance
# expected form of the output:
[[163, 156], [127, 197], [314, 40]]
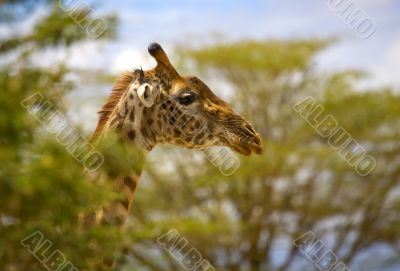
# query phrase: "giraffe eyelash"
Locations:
[[187, 98]]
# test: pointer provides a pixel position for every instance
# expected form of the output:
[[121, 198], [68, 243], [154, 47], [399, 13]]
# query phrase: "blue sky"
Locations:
[[195, 21]]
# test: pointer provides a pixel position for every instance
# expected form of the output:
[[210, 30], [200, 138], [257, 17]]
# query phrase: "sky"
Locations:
[[199, 22]]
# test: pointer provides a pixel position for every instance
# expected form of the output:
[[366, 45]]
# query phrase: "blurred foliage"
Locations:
[[42, 187], [248, 221], [275, 56]]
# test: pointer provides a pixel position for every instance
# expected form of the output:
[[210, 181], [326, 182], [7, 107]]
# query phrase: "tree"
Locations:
[[251, 220], [262, 217], [42, 186]]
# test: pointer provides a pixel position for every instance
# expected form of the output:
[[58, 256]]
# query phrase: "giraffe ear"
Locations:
[[147, 94]]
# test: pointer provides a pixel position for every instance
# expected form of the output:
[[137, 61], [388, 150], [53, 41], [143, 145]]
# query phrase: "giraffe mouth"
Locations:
[[247, 148], [241, 136], [245, 145]]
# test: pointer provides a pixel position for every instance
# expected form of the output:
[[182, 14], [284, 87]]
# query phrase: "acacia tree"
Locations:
[[249, 221], [42, 186]]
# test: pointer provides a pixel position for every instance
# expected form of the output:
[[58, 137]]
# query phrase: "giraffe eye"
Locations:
[[186, 98]]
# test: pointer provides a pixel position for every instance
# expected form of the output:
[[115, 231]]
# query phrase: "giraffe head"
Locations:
[[161, 106]]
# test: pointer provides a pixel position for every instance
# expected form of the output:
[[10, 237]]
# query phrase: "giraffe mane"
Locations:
[[117, 91]]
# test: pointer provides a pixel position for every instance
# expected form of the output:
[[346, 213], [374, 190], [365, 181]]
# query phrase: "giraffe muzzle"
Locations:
[[244, 140], [247, 147]]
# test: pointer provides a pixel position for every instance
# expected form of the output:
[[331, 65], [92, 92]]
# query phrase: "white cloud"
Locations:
[[83, 55], [394, 52], [90, 54], [386, 69], [375, 3], [129, 58]]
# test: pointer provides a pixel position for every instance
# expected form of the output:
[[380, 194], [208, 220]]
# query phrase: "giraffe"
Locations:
[[159, 106]]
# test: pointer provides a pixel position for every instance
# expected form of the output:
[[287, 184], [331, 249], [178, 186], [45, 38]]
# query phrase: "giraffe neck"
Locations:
[[124, 184], [117, 212], [133, 153], [131, 122]]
